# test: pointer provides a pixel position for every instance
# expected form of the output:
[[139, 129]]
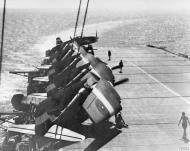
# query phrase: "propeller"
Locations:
[[122, 81], [115, 67]]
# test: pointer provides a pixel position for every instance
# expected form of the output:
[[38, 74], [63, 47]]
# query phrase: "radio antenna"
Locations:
[[2, 38]]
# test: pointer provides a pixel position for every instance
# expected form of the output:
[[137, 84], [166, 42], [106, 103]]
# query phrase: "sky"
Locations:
[[182, 5]]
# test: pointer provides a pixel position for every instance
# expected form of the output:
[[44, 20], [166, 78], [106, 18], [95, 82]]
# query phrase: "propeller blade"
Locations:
[[115, 67], [121, 81]]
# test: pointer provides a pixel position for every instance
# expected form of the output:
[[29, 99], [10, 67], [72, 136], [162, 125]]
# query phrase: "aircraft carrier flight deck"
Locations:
[[153, 99]]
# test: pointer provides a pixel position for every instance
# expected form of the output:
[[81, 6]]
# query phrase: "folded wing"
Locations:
[[55, 132]]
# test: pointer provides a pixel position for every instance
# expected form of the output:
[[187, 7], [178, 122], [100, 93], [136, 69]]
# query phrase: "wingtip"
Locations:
[[83, 137]]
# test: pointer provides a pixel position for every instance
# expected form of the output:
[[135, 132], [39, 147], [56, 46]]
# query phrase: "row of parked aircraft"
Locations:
[[71, 86]]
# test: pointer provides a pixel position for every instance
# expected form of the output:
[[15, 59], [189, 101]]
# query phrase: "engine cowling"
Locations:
[[18, 104], [103, 102]]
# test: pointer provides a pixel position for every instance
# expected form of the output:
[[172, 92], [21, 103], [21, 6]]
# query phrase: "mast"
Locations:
[[2, 38], [84, 19], [76, 25]]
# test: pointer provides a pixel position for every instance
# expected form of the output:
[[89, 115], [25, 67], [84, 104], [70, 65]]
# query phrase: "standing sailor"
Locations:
[[120, 66], [109, 55], [119, 121], [184, 120]]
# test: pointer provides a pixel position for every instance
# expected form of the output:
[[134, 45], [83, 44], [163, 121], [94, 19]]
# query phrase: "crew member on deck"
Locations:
[[109, 55], [184, 120], [119, 121], [120, 66]]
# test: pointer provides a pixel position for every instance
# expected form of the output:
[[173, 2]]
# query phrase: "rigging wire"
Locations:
[[2, 38], [84, 19], [76, 25]]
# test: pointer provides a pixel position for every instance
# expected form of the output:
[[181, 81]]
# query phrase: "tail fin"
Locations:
[[58, 132]]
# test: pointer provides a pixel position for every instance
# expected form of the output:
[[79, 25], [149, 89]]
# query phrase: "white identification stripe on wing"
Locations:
[[106, 103], [58, 132], [50, 87], [41, 119]]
